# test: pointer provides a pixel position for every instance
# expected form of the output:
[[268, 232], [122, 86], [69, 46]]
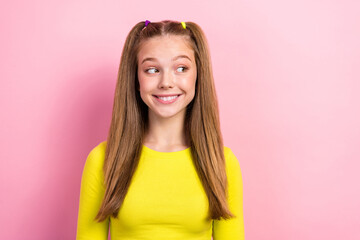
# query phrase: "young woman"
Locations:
[[163, 172]]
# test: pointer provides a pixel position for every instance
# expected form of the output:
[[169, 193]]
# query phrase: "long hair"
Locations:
[[130, 121]]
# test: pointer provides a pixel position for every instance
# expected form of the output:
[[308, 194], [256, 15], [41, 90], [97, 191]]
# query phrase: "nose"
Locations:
[[167, 80]]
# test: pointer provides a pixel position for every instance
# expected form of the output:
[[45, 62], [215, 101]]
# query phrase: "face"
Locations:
[[167, 75]]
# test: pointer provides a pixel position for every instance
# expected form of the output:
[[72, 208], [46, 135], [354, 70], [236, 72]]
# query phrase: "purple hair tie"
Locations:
[[147, 23]]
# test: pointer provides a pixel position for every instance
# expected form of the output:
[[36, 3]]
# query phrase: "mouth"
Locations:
[[167, 99]]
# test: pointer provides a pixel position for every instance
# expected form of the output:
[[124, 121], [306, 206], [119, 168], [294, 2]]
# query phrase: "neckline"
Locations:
[[153, 152]]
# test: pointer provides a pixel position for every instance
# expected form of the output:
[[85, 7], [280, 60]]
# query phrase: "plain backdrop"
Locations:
[[287, 78]]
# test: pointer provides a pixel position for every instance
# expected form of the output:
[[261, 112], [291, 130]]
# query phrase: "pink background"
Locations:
[[287, 77]]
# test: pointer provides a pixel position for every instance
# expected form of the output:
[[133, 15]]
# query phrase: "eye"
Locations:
[[147, 70], [185, 68]]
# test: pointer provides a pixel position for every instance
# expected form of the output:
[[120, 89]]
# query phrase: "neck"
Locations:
[[166, 132]]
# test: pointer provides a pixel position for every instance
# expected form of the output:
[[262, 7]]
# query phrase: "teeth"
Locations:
[[168, 98]]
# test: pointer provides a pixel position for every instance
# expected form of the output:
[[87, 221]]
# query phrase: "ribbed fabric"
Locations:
[[165, 200]]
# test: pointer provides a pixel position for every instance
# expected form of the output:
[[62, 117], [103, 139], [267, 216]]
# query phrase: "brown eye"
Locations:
[[147, 70], [184, 68]]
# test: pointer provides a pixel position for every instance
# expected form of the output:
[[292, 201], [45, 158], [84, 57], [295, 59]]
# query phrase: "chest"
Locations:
[[166, 194]]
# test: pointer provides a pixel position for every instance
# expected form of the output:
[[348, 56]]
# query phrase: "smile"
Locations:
[[167, 100]]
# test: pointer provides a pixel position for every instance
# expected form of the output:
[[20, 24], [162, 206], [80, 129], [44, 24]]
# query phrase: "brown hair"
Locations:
[[129, 123]]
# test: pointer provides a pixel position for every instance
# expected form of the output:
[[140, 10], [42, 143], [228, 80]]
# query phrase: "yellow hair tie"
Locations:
[[183, 24]]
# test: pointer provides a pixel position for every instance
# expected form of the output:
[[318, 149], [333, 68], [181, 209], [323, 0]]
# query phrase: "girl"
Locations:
[[163, 172]]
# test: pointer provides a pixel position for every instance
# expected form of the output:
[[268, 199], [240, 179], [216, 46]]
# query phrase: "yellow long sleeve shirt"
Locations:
[[165, 200]]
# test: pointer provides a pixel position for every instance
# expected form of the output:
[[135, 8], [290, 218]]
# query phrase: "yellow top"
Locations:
[[165, 200]]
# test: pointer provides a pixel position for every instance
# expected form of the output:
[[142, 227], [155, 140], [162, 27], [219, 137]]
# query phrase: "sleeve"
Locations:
[[232, 229], [91, 195]]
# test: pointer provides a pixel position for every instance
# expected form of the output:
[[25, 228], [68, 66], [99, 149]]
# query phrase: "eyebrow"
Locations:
[[175, 58]]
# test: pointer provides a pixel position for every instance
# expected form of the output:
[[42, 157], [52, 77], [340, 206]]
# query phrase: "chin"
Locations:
[[168, 114]]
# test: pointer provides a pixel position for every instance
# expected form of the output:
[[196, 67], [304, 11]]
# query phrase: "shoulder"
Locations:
[[96, 157], [99, 149], [230, 157], [92, 180], [231, 162], [227, 151]]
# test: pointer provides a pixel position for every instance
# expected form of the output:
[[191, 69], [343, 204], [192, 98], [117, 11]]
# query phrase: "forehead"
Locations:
[[165, 47]]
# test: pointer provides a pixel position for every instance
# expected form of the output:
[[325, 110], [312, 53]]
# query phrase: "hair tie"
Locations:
[[183, 24], [147, 23]]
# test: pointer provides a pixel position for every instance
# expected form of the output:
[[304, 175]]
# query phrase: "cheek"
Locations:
[[145, 86], [142, 82], [191, 82]]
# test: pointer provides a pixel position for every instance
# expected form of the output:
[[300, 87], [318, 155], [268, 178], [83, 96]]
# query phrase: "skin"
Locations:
[[163, 75]]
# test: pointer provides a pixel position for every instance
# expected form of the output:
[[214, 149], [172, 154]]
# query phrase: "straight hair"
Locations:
[[130, 122]]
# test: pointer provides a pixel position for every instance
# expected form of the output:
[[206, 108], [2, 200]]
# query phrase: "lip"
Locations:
[[167, 95], [167, 102]]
